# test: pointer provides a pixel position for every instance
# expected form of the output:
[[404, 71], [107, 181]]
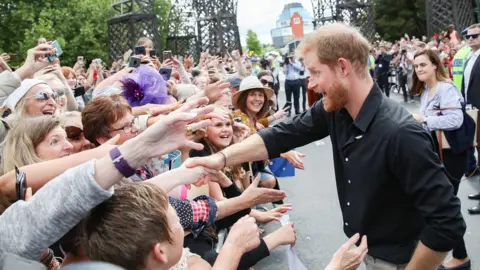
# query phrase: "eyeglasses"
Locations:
[[127, 128], [265, 82], [73, 133], [42, 96], [474, 36], [61, 92]]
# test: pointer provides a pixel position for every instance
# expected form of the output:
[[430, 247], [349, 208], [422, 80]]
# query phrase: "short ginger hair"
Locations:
[[101, 113], [335, 41]]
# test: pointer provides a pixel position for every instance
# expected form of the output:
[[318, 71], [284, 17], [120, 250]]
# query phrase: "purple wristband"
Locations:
[[120, 163]]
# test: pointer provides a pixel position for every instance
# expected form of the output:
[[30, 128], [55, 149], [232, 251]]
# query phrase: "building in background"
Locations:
[[293, 24]]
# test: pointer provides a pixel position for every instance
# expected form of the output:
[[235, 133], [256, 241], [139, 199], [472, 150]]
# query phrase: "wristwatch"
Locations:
[[120, 163]]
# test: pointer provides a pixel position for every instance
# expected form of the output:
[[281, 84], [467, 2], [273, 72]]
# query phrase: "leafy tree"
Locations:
[[394, 18], [79, 26], [253, 44]]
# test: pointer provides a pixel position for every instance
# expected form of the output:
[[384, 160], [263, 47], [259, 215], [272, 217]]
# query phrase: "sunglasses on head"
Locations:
[[474, 36], [42, 96], [73, 133], [265, 82]]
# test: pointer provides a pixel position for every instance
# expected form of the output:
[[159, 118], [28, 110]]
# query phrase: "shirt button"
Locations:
[[349, 181], [346, 224], [346, 159], [348, 203]]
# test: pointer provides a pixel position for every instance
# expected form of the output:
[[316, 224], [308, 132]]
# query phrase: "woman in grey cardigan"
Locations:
[[441, 109]]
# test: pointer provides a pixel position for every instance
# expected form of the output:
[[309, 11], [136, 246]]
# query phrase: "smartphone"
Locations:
[[237, 119], [12, 261], [166, 73], [134, 62], [167, 55], [140, 50], [152, 53], [79, 91], [287, 105], [21, 184], [57, 51], [175, 159]]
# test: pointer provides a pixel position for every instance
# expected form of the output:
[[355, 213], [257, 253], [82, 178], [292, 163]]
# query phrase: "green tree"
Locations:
[[253, 44], [79, 26], [394, 18]]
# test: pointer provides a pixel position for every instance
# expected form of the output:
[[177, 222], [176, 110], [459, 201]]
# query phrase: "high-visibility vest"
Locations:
[[458, 66], [371, 62]]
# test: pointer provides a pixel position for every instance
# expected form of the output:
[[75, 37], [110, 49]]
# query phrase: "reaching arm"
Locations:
[[39, 174], [426, 258]]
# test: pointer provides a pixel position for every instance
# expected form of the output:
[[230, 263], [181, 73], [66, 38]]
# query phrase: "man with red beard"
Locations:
[[391, 184]]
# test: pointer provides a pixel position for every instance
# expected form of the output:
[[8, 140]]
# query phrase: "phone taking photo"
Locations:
[[79, 91], [140, 50], [175, 159], [166, 73], [134, 62], [167, 55], [57, 51], [21, 184], [287, 105]]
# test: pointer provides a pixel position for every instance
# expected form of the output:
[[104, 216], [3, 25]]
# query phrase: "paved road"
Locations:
[[317, 215]]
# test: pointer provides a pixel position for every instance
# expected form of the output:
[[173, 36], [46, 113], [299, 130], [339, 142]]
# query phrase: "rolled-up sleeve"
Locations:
[[427, 183], [450, 118], [301, 130]]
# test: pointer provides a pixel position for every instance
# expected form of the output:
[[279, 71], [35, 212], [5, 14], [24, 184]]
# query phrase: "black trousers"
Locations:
[[383, 83], [293, 87], [402, 81], [303, 85], [455, 165]]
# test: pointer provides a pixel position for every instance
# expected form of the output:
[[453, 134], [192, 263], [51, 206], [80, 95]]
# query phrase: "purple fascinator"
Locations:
[[144, 86]]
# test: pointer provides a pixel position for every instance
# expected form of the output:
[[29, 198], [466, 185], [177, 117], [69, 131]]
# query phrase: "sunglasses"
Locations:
[[73, 133], [474, 36], [265, 82], [42, 96]]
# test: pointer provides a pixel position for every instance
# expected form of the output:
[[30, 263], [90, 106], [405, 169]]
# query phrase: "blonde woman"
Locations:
[[34, 140]]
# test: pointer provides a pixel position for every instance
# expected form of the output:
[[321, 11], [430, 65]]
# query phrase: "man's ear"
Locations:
[[160, 253], [345, 66]]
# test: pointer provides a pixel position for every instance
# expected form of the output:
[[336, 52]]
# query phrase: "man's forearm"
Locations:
[[228, 258], [425, 258], [251, 149]]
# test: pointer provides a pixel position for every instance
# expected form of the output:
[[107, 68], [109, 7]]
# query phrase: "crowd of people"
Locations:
[[94, 163], [165, 165]]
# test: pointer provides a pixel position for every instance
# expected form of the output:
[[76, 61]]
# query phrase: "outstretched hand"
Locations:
[[258, 195], [348, 258], [171, 132]]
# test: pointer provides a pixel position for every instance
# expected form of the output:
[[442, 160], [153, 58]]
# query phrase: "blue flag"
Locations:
[[280, 167]]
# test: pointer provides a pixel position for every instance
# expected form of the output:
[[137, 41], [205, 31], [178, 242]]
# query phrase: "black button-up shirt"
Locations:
[[390, 182]]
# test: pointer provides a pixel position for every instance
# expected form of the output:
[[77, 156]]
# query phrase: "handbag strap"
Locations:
[[440, 144]]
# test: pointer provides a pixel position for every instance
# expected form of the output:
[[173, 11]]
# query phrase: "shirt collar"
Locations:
[[369, 108]]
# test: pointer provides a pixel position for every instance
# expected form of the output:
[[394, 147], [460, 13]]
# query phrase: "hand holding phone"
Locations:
[[21, 184]]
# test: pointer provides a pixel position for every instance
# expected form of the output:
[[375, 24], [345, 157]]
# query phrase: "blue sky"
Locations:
[[261, 16]]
